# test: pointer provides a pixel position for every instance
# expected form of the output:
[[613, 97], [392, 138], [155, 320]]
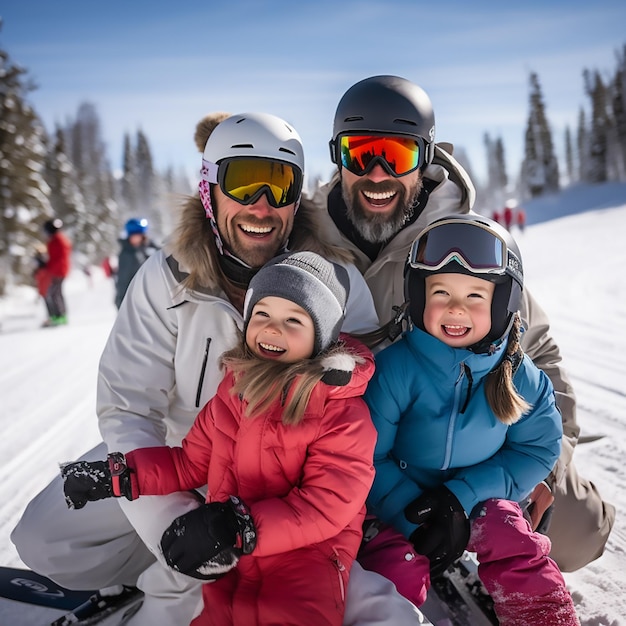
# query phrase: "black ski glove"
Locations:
[[208, 541], [88, 481], [444, 529]]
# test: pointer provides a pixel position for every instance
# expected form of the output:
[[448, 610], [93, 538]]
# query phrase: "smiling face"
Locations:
[[458, 308], [280, 330], [378, 203], [254, 233]]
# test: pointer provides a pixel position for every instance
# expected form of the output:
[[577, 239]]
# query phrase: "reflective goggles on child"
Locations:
[[246, 179], [475, 246], [399, 155]]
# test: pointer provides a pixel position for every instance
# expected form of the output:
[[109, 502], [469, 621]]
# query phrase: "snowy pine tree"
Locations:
[[88, 154], [128, 182], [598, 141], [65, 196], [497, 179], [569, 157], [540, 170], [618, 104], [24, 202]]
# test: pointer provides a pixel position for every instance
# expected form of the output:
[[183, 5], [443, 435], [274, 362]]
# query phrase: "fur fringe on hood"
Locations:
[[338, 367], [193, 243]]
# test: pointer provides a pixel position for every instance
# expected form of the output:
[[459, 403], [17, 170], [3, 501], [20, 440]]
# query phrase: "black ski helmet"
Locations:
[[388, 105], [509, 281]]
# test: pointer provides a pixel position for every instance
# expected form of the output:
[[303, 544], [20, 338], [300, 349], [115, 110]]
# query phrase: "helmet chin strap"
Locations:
[[237, 270], [205, 197]]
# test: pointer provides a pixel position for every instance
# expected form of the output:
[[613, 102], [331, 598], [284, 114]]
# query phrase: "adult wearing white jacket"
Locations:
[[161, 365]]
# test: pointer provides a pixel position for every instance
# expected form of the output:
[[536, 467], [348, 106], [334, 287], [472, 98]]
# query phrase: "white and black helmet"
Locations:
[[474, 245], [388, 105]]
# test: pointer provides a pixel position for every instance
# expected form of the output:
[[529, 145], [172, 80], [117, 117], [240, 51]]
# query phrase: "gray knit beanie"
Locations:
[[320, 287]]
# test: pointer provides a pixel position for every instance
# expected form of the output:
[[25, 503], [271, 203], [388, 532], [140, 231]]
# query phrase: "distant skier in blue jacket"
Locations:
[[467, 426]]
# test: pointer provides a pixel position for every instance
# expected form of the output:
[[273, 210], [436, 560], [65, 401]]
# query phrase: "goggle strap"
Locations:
[[205, 198], [209, 171]]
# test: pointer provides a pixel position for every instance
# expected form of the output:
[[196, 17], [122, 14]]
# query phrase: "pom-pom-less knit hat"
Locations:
[[320, 287]]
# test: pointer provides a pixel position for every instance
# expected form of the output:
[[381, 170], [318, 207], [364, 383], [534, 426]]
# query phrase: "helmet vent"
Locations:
[[281, 149], [353, 118], [401, 121], [242, 145]]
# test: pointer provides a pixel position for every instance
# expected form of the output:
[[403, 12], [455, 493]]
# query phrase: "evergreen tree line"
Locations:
[[67, 174], [595, 152]]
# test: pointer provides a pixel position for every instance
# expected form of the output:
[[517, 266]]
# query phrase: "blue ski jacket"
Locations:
[[435, 427]]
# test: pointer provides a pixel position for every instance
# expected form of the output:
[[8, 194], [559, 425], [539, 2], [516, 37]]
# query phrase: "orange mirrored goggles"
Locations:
[[398, 155]]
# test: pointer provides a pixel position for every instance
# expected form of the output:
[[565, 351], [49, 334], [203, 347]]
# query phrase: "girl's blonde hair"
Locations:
[[262, 382], [501, 393]]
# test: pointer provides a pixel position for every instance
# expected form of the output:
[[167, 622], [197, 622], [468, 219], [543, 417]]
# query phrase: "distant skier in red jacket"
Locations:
[[289, 434], [57, 268], [508, 213]]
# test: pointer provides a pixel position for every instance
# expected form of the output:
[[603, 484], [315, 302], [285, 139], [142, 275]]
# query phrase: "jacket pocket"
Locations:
[[205, 360], [342, 576]]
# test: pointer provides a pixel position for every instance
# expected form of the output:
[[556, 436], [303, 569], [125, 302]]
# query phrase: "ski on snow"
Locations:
[[21, 587], [458, 598], [455, 599]]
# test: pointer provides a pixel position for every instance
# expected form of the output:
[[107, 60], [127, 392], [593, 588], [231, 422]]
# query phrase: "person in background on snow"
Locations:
[[520, 218], [57, 267], [41, 276], [392, 180], [161, 364], [280, 531], [135, 249], [508, 213], [467, 426]]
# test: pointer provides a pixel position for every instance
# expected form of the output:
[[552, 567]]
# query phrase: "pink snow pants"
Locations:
[[526, 586]]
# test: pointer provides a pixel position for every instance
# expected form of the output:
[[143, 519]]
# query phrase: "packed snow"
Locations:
[[575, 263]]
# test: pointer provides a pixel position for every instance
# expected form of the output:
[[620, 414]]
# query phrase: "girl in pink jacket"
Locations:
[[285, 447]]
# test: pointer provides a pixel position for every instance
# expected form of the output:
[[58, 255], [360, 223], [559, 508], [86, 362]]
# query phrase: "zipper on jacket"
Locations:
[[340, 569], [203, 371], [470, 383], [458, 385]]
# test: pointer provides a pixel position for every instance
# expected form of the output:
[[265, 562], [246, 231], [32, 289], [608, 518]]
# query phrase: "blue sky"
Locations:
[[161, 66]]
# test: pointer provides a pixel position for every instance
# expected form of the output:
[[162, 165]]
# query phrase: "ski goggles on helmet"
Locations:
[[398, 155], [245, 179], [473, 245]]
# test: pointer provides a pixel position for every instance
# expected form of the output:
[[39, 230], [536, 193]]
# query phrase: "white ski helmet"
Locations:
[[255, 135]]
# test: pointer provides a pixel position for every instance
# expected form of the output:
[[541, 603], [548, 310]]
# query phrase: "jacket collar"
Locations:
[[435, 355]]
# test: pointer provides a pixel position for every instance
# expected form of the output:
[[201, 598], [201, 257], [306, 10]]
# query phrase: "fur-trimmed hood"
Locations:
[[193, 243], [352, 364]]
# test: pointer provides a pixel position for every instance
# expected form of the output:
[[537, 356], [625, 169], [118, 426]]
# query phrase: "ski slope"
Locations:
[[575, 267]]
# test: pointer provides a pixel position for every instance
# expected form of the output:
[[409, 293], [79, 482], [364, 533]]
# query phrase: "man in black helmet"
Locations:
[[392, 180]]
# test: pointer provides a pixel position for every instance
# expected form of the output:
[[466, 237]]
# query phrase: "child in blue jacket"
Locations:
[[467, 426]]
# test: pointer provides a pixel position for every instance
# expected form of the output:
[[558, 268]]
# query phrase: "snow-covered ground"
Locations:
[[575, 266]]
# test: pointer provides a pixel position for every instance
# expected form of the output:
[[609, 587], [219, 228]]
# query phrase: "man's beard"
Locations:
[[380, 227]]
